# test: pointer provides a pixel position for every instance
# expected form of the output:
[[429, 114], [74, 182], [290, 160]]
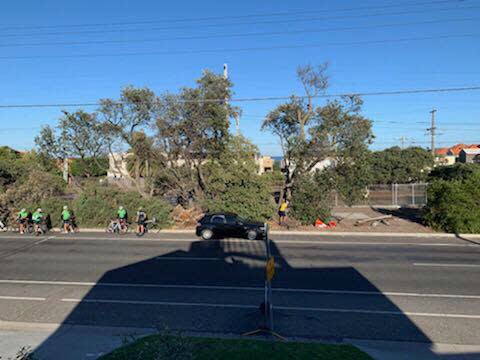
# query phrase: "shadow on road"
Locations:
[[188, 294]]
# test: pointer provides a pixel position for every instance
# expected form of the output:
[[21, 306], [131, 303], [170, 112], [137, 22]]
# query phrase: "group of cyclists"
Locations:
[[120, 222], [39, 222]]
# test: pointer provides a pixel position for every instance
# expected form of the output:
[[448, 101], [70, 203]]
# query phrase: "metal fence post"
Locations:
[[393, 194], [413, 194], [396, 194], [425, 193]]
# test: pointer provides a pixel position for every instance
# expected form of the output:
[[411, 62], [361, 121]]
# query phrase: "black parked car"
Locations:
[[223, 225]]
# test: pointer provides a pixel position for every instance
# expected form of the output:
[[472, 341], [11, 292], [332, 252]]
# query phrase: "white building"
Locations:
[[118, 165]]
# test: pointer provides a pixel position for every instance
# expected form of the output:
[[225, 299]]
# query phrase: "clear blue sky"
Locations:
[[27, 29]]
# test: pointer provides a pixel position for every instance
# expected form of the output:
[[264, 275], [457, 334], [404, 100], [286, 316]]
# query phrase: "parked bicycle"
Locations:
[[146, 225], [117, 226]]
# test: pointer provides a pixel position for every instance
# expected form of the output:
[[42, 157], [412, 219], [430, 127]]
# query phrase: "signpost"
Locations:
[[266, 307]]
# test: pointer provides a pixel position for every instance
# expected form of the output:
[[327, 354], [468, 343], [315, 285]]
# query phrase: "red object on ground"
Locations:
[[331, 224], [319, 223]]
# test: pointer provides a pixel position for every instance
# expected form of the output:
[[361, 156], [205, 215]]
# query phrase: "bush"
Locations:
[[89, 167], [454, 172], [36, 187], [395, 165], [453, 205], [97, 205], [311, 199], [253, 201], [233, 184]]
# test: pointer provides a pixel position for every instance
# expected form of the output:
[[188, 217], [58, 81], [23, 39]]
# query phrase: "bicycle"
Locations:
[[40, 228], [116, 226], [146, 225]]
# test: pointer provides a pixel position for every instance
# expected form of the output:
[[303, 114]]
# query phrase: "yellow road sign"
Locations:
[[270, 268]]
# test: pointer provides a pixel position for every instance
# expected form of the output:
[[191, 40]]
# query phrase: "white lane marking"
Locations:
[[241, 306], [160, 286], [379, 312], [167, 303], [302, 242], [187, 258], [46, 239], [446, 265], [385, 293], [22, 298], [241, 288]]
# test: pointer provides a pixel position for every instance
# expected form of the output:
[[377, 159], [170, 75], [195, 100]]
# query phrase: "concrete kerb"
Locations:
[[318, 233]]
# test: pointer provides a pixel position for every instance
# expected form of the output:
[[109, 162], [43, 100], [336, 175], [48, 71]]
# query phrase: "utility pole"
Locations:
[[65, 169], [402, 141], [225, 76], [432, 130], [237, 123]]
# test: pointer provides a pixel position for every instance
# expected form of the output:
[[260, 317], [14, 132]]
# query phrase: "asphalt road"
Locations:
[[351, 287]]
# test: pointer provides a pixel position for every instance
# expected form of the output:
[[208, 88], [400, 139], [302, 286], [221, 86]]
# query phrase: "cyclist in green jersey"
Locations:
[[22, 220], [122, 217], [67, 219], [37, 218]]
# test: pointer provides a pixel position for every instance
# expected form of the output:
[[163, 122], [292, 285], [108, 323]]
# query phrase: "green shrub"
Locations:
[[311, 199], [454, 172], [232, 183], [89, 167], [253, 200], [453, 206], [34, 188], [97, 205]]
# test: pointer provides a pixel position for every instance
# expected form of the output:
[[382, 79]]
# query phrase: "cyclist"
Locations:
[[122, 217], [141, 219], [66, 219], [22, 220], [37, 218]]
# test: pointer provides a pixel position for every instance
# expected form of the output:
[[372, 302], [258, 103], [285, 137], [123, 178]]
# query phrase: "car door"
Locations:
[[234, 226], [219, 225]]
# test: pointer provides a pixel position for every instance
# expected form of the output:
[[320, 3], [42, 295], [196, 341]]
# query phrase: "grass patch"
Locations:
[[157, 347]]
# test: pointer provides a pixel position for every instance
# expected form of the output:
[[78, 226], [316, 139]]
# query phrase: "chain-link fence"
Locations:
[[392, 195]]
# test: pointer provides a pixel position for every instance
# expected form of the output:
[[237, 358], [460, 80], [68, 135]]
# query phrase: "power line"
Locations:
[[20, 128], [249, 49], [295, 12], [271, 98], [230, 24], [200, 37]]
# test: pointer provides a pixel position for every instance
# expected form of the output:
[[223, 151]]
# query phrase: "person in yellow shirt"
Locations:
[[282, 211]]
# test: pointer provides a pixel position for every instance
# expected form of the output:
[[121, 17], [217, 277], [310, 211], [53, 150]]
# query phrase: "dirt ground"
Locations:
[[404, 220]]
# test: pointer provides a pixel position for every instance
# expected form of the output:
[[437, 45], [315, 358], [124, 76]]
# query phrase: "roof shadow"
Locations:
[[217, 287]]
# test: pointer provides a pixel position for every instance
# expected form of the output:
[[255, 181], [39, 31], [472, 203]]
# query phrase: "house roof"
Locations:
[[455, 150], [442, 151], [471, 151]]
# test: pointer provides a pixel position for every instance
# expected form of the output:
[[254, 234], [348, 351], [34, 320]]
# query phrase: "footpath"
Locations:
[[91, 342]]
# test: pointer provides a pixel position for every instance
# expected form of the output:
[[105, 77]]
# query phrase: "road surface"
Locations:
[[423, 289]]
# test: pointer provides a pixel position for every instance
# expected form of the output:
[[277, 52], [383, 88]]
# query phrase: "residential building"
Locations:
[[451, 155], [265, 164], [118, 166], [469, 156]]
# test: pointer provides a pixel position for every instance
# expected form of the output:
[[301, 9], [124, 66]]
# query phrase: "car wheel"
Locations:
[[251, 235], [207, 234]]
